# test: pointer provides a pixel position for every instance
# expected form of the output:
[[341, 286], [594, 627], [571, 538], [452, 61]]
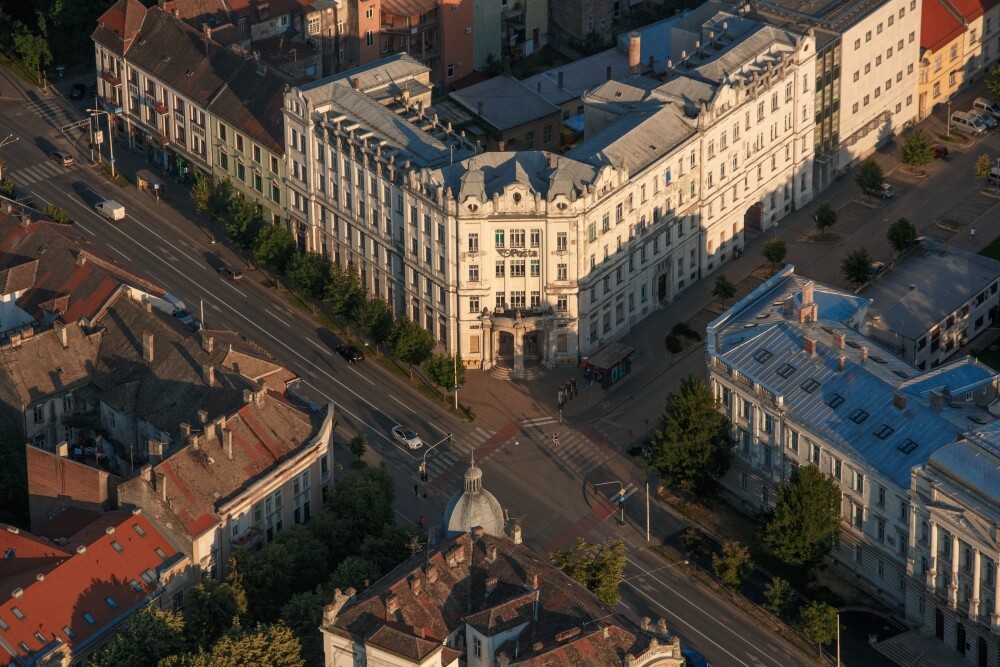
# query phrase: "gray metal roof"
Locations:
[[755, 339], [579, 76], [378, 79], [971, 466], [926, 285], [506, 102], [488, 174]]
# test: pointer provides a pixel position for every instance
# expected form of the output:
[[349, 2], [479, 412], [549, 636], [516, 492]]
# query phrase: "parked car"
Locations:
[[350, 353], [988, 119], [884, 192], [940, 151], [694, 659], [875, 268], [982, 105], [967, 123], [77, 91], [407, 437], [231, 273], [184, 316], [62, 157]]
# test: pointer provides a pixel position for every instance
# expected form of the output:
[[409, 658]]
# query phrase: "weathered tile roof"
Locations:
[[24, 379]]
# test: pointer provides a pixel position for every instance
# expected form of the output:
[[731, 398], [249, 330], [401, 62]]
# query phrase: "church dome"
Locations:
[[473, 507]]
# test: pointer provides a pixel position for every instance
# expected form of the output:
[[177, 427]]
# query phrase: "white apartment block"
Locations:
[[866, 72], [802, 386]]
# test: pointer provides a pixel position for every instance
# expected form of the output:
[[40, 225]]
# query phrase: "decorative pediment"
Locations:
[[970, 524]]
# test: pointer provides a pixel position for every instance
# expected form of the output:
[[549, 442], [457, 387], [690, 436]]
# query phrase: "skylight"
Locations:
[[835, 401], [884, 431], [907, 447], [786, 370], [117, 547], [858, 416], [87, 616], [762, 355], [809, 386], [137, 528]]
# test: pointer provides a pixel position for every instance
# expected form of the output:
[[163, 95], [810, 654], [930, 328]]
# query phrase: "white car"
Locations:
[[407, 437]]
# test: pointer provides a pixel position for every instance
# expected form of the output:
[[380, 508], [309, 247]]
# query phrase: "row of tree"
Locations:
[[317, 278], [50, 32], [268, 608]]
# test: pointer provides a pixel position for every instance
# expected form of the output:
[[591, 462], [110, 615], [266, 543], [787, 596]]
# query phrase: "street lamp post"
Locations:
[[111, 143], [7, 140]]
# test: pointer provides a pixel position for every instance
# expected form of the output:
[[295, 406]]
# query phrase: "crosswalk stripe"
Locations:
[[538, 421], [27, 175]]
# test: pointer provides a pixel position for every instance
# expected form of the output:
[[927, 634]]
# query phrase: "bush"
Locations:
[[7, 188], [674, 344], [682, 329], [57, 214]]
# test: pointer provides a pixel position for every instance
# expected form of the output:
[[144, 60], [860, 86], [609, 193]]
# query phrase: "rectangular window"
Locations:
[[498, 238]]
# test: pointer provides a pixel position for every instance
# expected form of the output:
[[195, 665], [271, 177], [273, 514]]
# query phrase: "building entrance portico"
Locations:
[[518, 343]]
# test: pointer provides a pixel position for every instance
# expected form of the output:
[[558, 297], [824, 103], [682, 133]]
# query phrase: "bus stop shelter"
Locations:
[[609, 364]]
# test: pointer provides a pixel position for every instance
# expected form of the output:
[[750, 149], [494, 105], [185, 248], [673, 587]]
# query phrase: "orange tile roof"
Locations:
[[86, 592], [938, 25], [970, 9]]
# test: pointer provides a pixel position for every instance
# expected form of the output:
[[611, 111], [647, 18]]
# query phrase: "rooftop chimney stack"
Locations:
[[936, 401], [147, 346], [864, 354], [208, 374], [809, 345], [841, 363], [633, 53], [839, 339], [899, 401], [227, 443], [208, 343]]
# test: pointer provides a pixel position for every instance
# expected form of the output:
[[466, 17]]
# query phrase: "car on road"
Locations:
[[884, 192], [230, 272], [406, 437], [940, 151], [351, 353], [875, 268], [77, 91], [62, 158], [110, 209], [694, 659], [989, 120], [184, 316]]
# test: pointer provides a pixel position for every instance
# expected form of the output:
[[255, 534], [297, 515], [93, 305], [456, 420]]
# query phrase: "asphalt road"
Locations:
[[545, 487]]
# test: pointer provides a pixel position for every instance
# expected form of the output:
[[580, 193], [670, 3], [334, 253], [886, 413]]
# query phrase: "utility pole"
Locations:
[[647, 512], [7, 140]]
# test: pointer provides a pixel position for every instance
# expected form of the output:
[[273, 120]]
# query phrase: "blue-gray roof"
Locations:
[[972, 467]]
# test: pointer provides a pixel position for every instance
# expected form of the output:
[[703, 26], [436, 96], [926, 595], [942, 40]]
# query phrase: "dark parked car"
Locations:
[[231, 273], [940, 152], [77, 91], [350, 353]]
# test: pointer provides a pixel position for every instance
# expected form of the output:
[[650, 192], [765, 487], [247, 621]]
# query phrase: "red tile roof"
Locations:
[[938, 25], [970, 9], [85, 592]]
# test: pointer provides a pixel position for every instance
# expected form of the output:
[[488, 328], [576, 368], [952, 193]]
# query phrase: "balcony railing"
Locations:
[[110, 105], [161, 108], [111, 78]]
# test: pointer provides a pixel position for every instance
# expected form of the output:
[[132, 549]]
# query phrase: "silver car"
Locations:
[[407, 437], [987, 118]]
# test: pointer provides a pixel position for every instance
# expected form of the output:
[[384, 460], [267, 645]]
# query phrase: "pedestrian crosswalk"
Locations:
[[52, 111], [443, 458], [538, 421], [573, 449], [41, 171]]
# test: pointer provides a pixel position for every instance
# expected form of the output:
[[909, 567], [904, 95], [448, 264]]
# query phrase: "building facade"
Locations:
[[951, 48]]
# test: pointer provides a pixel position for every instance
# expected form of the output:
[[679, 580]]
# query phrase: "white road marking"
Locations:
[[318, 346], [277, 318], [41, 197], [119, 252], [363, 377], [403, 404]]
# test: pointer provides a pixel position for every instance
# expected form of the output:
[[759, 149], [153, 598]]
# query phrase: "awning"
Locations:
[[609, 355]]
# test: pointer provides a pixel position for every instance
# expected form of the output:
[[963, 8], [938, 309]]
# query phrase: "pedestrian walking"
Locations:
[[972, 233], [416, 489], [420, 522]]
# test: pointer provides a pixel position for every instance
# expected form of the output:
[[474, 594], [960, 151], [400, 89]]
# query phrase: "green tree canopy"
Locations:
[[733, 565], [309, 557], [818, 622], [31, 47], [916, 151], [993, 82], [902, 235], [374, 318], [275, 246], [825, 216], [304, 614], [212, 197], [361, 505], [310, 273], [441, 370], [267, 577], [355, 572], [150, 635], [344, 291], [724, 289], [691, 447], [599, 567], [856, 266], [774, 251], [272, 645], [56, 214], [413, 344], [359, 445], [778, 596], [213, 609], [983, 163], [869, 176], [243, 224], [805, 519]]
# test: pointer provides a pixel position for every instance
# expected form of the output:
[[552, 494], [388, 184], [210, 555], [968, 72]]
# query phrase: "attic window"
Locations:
[[907, 447], [137, 528], [117, 547], [809, 386], [161, 553], [877, 360], [883, 431], [786, 370], [111, 602], [148, 576], [40, 637], [136, 585], [618, 93], [87, 616], [858, 416], [901, 374], [8, 554], [68, 631], [190, 72], [762, 355], [835, 401], [3, 625], [18, 614], [166, 58], [851, 343]]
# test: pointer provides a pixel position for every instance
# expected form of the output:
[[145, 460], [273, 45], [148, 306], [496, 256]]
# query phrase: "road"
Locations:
[[544, 486]]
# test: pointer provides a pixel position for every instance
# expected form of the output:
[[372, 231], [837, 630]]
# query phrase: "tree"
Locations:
[[777, 596], [309, 557], [724, 290], [359, 445], [355, 572], [303, 614], [856, 266], [273, 645], [915, 151], [774, 251], [818, 622], [869, 176], [733, 565], [56, 214], [983, 163], [902, 235], [598, 567], [32, 49], [693, 542], [413, 344], [310, 274], [441, 369], [360, 506], [690, 448], [148, 636], [344, 291], [243, 224], [213, 609], [267, 577], [275, 246], [212, 197], [993, 82], [13, 479], [825, 216], [805, 519], [374, 318]]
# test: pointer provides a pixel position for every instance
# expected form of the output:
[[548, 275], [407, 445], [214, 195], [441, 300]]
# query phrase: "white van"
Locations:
[[966, 122], [110, 209], [995, 177], [982, 105]]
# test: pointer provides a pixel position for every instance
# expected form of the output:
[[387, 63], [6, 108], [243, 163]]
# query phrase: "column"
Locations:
[[518, 349], [932, 573], [953, 581], [976, 575], [911, 544], [486, 349], [996, 596]]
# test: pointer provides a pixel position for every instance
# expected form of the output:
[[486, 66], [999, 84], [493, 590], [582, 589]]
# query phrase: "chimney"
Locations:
[[560, 75], [532, 580], [161, 485], [809, 345], [185, 430], [515, 533], [62, 449], [416, 584], [633, 53], [839, 339], [808, 312], [899, 401], [207, 31], [208, 374], [864, 354], [60, 328], [148, 307], [501, 145], [356, 82], [607, 73], [196, 441], [431, 574], [227, 443], [247, 396], [203, 416], [807, 293], [147, 473], [147, 346], [208, 343], [936, 401], [391, 604], [841, 363], [176, 12], [491, 583], [155, 450], [491, 553]]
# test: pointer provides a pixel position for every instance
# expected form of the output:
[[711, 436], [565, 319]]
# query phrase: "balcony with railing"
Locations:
[[161, 108], [111, 77]]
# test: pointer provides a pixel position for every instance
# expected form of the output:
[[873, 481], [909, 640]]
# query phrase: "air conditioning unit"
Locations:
[[468, 31]]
